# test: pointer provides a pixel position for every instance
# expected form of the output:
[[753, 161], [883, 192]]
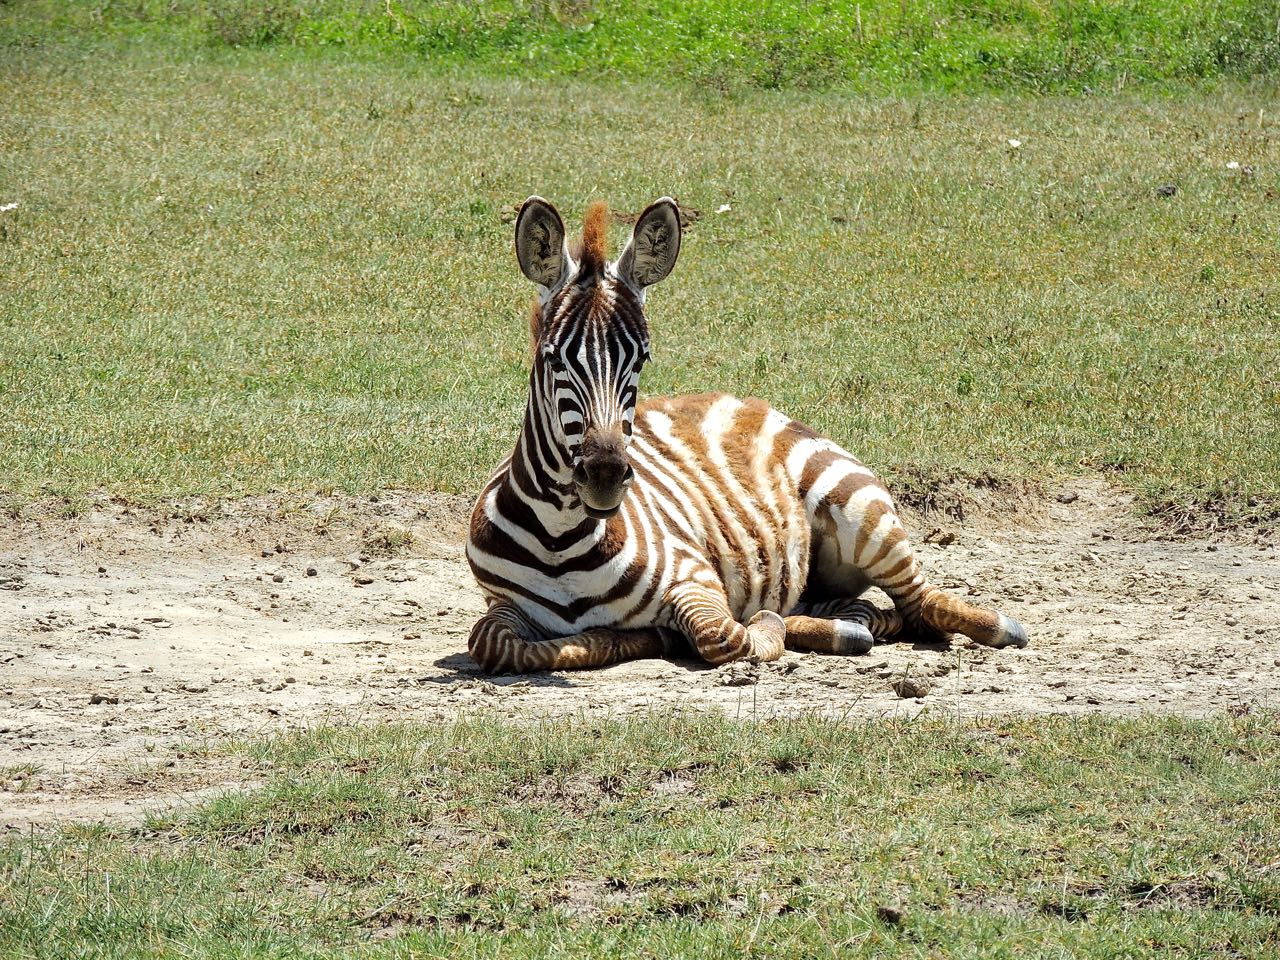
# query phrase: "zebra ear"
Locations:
[[540, 246], [655, 243]]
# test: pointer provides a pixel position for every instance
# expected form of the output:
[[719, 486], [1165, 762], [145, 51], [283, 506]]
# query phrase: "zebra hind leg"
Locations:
[[843, 626], [927, 609]]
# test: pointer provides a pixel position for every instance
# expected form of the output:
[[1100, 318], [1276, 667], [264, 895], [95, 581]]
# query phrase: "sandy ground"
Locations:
[[133, 642]]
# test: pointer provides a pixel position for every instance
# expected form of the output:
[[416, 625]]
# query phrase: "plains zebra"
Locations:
[[615, 528]]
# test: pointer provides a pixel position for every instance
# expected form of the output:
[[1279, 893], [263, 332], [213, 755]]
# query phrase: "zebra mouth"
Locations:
[[602, 507], [596, 514]]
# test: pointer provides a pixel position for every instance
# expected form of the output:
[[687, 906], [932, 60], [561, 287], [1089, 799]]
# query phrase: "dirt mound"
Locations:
[[132, 641]]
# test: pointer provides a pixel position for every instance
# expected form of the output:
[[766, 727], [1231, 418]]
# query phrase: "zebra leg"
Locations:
[[888, 562], [844, 626], [505, 641], [701, 613]]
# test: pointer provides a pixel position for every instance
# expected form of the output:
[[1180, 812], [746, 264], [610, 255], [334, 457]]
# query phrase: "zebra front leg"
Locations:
[[505, 641], [843, 626], [701, 612]]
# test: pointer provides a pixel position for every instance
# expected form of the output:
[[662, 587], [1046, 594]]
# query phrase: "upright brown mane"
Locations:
[[595, 237]]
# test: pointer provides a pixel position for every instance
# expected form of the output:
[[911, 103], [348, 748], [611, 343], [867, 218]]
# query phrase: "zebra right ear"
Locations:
[[655, 243], [540, 246]]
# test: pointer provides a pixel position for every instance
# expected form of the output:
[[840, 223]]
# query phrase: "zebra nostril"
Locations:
[[580, 476], [628, 474]]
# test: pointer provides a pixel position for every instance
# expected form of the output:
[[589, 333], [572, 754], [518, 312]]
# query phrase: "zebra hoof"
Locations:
[[770, 619], [851, 638], [1010, 633]]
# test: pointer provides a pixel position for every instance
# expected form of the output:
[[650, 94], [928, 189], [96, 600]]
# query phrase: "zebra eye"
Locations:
[[554, 361]]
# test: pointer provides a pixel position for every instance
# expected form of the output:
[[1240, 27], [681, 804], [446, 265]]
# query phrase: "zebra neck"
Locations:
[[539, 479]]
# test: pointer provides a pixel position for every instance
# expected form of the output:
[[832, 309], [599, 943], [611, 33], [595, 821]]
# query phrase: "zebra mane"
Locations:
[[593, 249], [535, 325]]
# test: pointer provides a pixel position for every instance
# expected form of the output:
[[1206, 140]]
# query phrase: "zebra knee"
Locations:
[[723, 643], [767, 636]]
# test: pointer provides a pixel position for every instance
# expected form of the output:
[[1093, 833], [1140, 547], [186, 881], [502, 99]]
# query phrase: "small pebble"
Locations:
[[312, 572], [738, 673], [363, 579], [911, 687]]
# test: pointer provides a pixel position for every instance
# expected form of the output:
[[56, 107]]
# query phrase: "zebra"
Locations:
[[619, 529]]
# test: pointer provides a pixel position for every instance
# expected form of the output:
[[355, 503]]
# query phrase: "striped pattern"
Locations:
[[741, 532]]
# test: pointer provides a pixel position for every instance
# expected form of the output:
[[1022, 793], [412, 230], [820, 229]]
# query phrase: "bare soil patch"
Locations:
[[134, 641]]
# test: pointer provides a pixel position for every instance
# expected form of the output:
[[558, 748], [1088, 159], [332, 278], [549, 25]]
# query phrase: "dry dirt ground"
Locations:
[[133, 642]]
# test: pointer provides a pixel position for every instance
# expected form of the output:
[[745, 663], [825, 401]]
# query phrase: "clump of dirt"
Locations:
[[133, 641]]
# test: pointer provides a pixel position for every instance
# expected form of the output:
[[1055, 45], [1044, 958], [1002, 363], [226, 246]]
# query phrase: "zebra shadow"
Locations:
[[460, 668]]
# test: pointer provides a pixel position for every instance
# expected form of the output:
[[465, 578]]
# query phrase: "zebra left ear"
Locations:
[[540, 247], [654, 246]]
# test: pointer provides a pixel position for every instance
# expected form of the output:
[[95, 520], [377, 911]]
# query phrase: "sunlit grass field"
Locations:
[[866, 45], [690, 836], [231, 271]]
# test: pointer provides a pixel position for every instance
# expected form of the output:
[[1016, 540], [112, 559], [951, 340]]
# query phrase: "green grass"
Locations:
[[864, 44], [691, 836], [234, 272]]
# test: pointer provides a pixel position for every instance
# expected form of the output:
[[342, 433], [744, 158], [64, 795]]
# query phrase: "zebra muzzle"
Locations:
[[602, 483]]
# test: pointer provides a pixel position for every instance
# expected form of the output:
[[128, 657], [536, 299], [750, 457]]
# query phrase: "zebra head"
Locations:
[[590, 337]]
